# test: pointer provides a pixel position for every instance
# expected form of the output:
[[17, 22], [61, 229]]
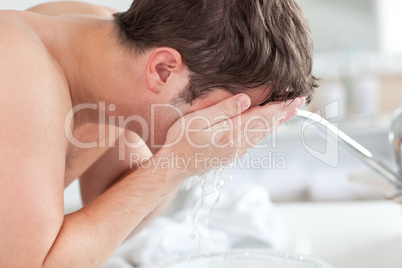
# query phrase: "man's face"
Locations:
[[166, 116]]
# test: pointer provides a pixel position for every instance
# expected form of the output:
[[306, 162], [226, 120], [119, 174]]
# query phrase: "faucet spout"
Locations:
[[395, 137], [354, 148]]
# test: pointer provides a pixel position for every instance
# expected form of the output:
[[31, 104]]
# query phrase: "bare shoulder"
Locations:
[[72, 7], [32, 89]]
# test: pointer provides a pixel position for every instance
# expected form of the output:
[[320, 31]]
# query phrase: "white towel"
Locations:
[[243, 218]]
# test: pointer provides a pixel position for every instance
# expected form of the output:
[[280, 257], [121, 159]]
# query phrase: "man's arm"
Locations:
[[109, 170], [71, 7]]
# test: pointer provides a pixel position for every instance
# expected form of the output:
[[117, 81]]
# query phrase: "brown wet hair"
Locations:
[[236, 45]]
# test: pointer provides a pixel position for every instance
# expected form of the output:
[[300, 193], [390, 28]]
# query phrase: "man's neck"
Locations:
[[95, 66]]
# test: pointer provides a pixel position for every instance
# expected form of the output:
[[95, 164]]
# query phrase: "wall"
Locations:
[[391, 93], [334, 23]]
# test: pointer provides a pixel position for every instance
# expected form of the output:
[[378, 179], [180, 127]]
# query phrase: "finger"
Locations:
[[290, 105], [267, 116], [257, 133], [292, 114], [271, 115], [228, 108], [253, 125], [258, 124]]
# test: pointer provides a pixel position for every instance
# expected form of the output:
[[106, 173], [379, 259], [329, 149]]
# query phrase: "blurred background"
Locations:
[[358, 57]]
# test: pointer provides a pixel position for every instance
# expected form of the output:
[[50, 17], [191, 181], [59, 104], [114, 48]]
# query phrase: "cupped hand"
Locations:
[[214, 136]]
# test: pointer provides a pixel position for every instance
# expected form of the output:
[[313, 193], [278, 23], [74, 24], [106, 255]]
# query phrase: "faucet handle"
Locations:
[[395, 137]]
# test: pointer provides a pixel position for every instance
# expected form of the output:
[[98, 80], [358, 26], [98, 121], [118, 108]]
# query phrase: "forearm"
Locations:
[[90, 236], [160, 209], [150, 217]]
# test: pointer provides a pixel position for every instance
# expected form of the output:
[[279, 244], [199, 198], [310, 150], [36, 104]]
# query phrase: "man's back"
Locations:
[[34, 99]]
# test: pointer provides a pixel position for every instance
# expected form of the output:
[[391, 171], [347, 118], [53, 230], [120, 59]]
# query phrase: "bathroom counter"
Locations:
[[346, 235]]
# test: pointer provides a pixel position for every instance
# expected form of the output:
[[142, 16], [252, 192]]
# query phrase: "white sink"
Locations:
[[247, 259], [346, 235]]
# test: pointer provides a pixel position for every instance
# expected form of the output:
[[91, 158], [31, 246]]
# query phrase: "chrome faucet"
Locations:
[[395, 137], [353, 147]]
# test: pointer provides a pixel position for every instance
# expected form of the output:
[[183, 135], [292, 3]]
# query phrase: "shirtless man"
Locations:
[[206, 58]]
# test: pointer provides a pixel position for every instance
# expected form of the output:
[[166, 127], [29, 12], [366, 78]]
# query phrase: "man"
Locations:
[[161, 69]]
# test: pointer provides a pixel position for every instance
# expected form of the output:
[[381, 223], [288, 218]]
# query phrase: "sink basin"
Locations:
[[246, 259]]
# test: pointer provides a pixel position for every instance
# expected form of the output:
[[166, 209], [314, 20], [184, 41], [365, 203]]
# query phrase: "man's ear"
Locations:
[[163, 64]]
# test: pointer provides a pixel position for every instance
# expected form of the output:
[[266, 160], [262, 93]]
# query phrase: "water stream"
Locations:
[[211, 187]]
